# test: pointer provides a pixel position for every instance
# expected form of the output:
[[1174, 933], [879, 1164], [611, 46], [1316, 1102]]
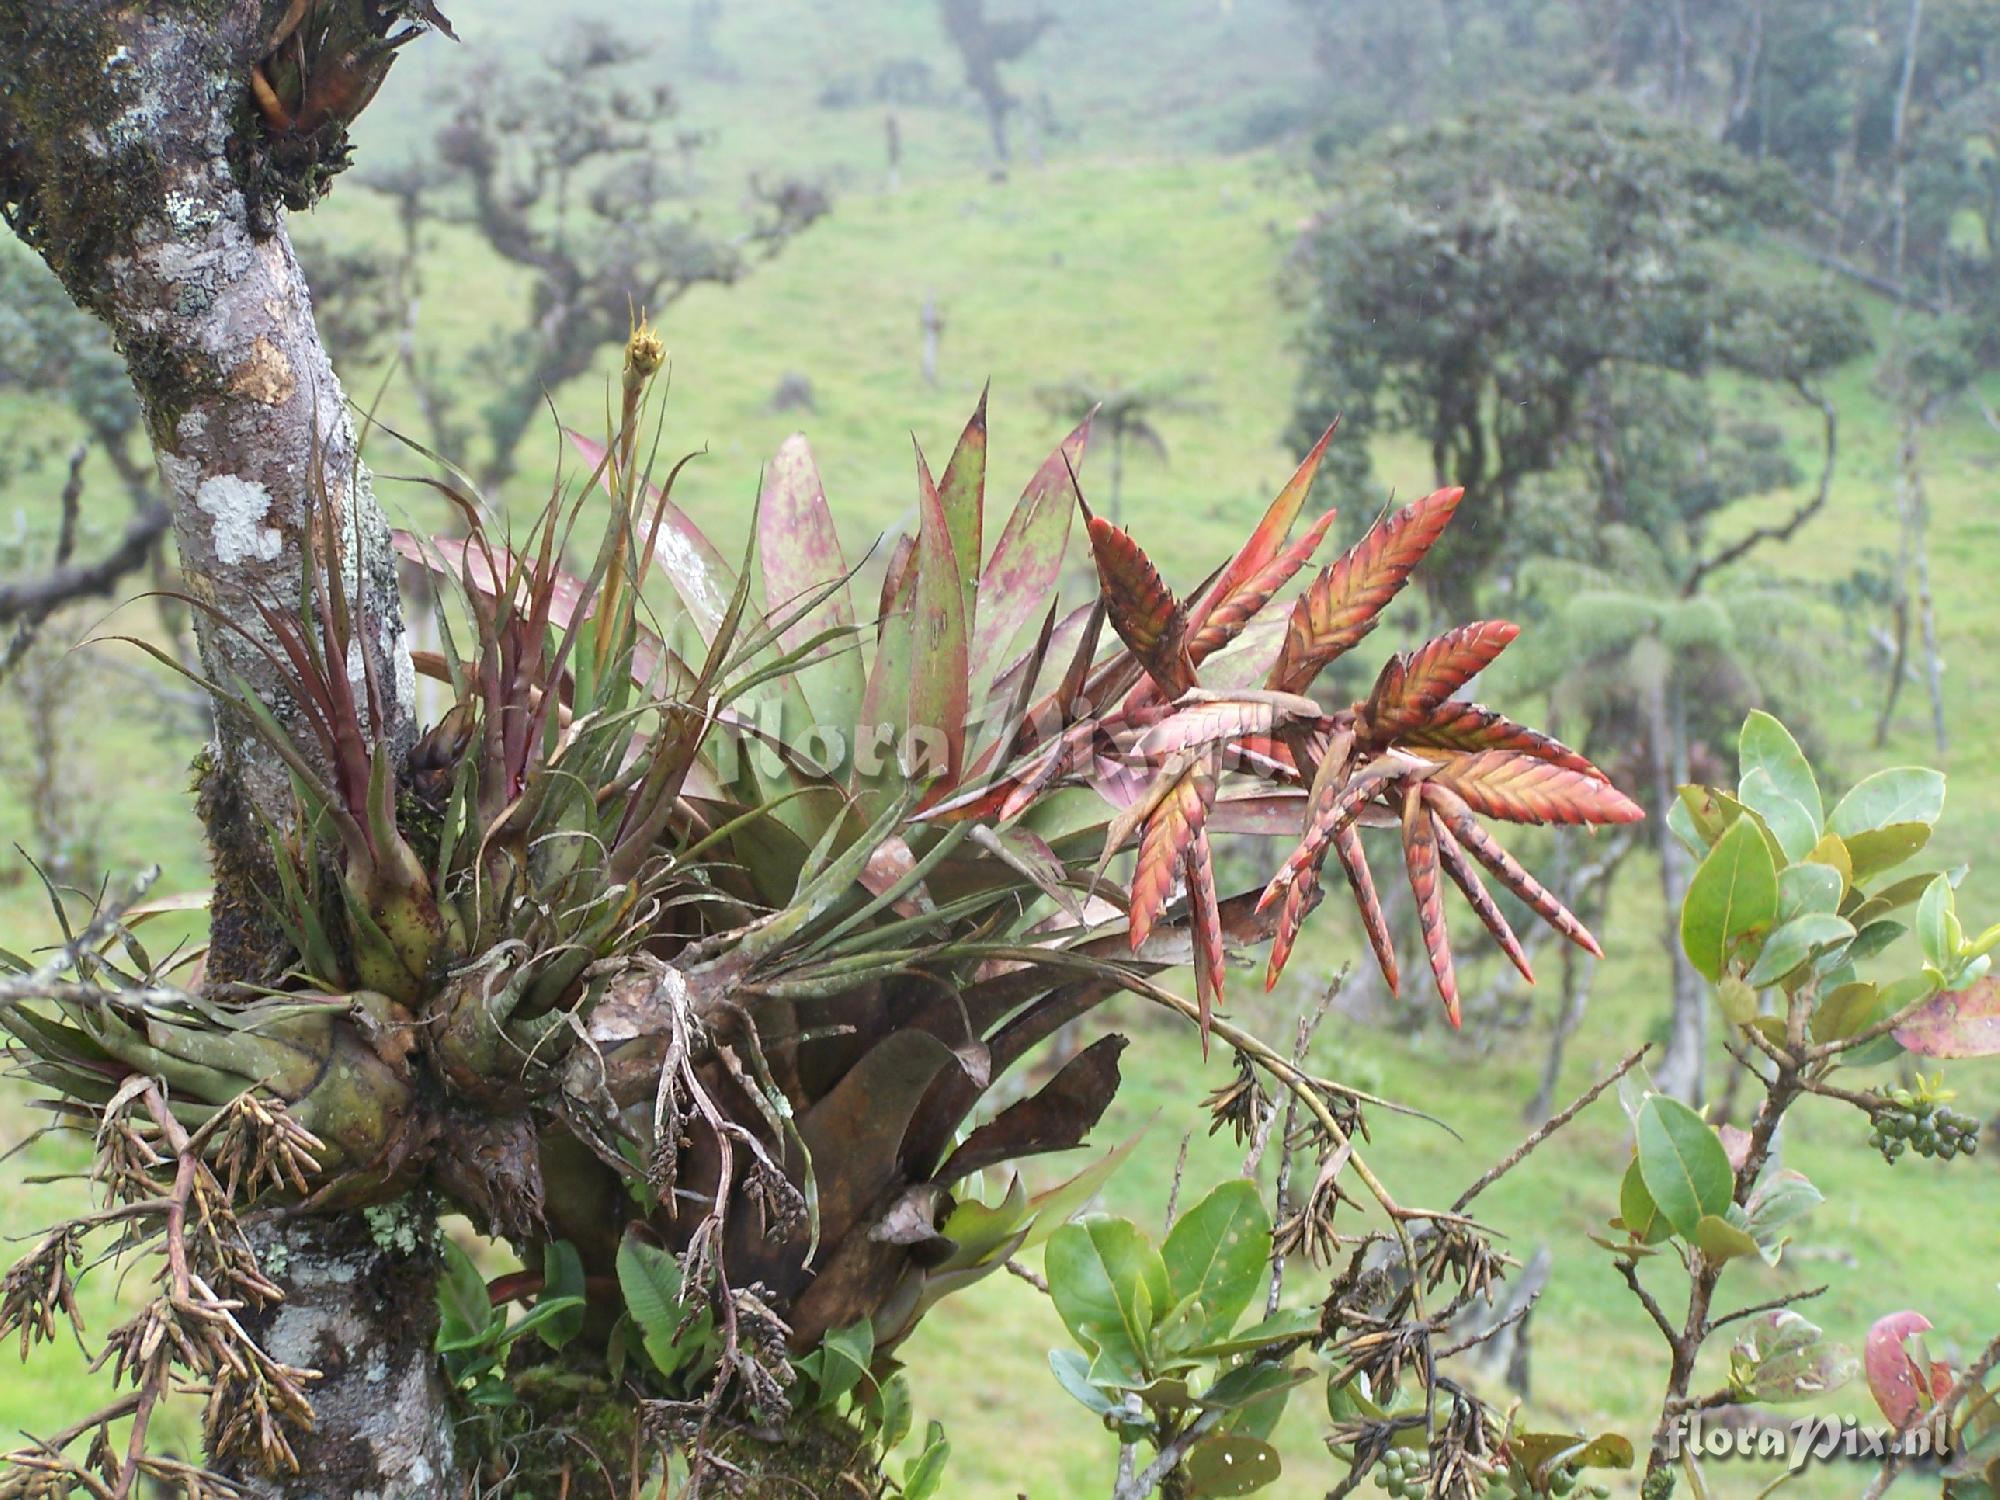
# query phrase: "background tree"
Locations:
[[567, 180], [1467, 279], [986, 44]]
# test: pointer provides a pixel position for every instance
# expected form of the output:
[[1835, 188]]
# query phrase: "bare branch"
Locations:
[[1548, 1128], [1786, 529]]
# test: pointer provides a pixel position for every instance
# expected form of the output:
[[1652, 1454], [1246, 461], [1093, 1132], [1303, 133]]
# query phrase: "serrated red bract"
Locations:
[[1518, 788], [1205, 926], [1454, 814], [1142, 608], [1264, 545], [1420, 858], [1361, 881], [1463, 725], [1452, 855], [1226, 620], [1341, 605], [1171, 828], [1413, 685]]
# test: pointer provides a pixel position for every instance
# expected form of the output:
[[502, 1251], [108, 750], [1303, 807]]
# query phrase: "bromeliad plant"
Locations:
[[698, 928]]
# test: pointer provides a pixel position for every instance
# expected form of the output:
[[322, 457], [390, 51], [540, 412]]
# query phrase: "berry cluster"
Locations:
[[1564, 1481], [1905, 1119], [1404, 1473]]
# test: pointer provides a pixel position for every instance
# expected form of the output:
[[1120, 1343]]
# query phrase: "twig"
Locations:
[[1180, 1167], [36, 598], [1630, 1271], [1548, 1128], [1786, 529], [1771, 1305], [1301, 1045], [1029, 1275], [1149, 1478]]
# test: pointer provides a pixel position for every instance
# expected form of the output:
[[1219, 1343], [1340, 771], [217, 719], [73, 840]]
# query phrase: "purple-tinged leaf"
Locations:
[[1963, 1023], [801, 555], [1022, 573]]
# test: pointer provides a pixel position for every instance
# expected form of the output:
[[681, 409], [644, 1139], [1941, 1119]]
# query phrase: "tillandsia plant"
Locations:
[[683, 950], [1825, 955]]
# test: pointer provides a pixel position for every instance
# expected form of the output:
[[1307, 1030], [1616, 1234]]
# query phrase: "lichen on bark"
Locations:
[[130, 161]]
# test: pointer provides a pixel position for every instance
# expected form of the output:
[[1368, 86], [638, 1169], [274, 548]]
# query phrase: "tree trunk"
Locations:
[[132, 161], [1681, 1068], [361, 1308]]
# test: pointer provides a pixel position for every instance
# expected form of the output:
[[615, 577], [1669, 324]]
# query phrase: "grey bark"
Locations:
[[363, 1312], [128, 160]]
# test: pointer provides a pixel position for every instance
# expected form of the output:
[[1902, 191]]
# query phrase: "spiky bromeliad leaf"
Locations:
[[1413, 684], [1420, 855], [1142, 609], [1524, 789], [1343, 603]]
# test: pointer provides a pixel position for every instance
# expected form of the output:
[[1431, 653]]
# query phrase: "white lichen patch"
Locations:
[[237, 508]]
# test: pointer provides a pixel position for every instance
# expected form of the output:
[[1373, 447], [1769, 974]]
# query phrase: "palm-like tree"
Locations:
[[1127, 415]]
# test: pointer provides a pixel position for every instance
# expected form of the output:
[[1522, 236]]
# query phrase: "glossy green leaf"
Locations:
[[926, 1471], [1878, 850], [1286, 1324], [1721, 1240], [846, 1355], [1780, 1199], [1937, 924], [1683, 1164], [1219, 1252], [1072, 1372], [1108, 1284], [1231, 1464], [1788, 820], [1902, 794], [465, 1313], [562, 1277], [1734, 892], [1766, 746], [1638, 1212], [1804, 888], [1789, 947], [650, 1279]]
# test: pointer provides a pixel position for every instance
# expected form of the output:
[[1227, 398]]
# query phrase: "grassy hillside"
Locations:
[[1139, 249]]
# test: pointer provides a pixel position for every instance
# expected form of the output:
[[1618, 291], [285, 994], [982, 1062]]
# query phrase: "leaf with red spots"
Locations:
[[1026, 565], [962, 494], [1342, 604]]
